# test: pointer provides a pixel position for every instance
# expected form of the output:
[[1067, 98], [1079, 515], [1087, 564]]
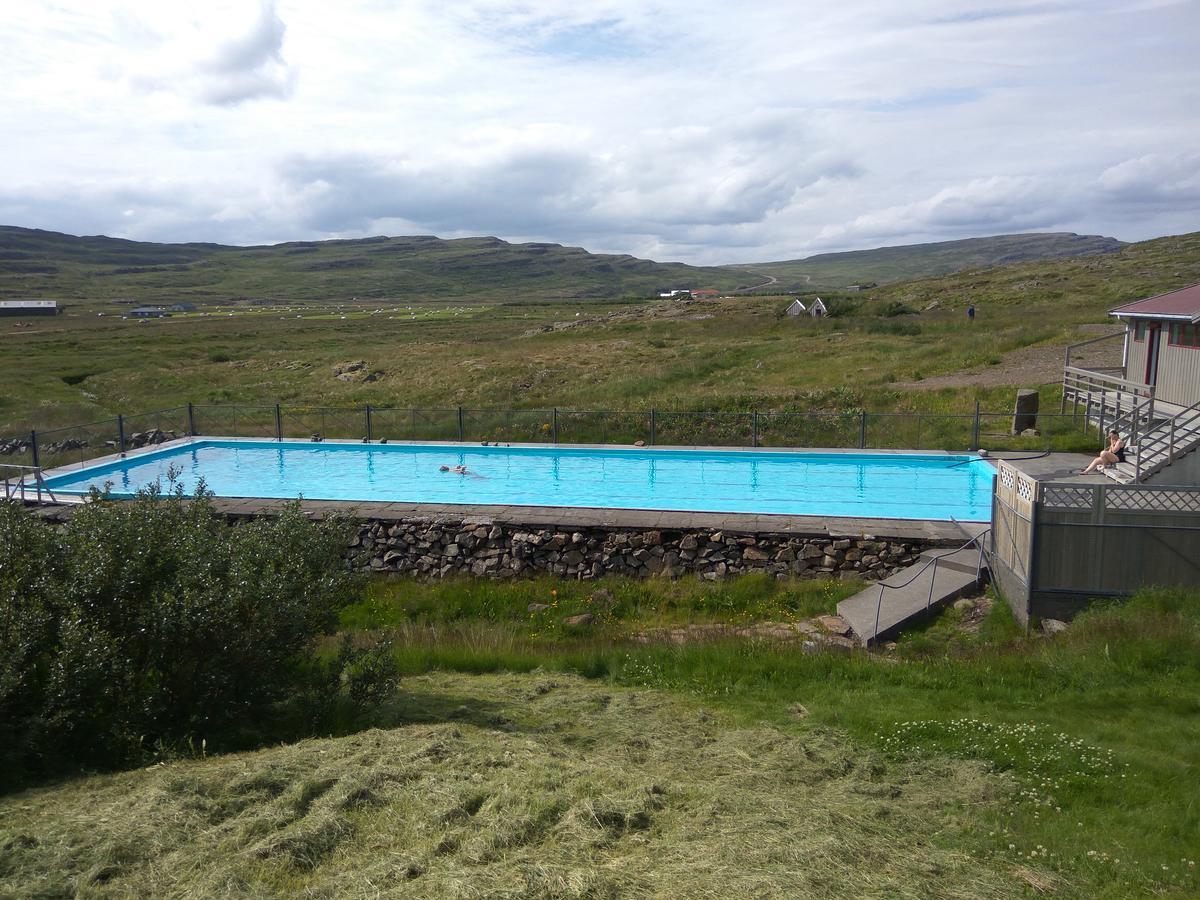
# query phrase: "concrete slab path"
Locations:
[[911, 593]]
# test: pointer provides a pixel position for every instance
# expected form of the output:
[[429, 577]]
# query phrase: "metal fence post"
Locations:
[[121, 432], [33, 449], [191, 414], [754, 428], [653, 425], [975, 429], [918, 441], [369, 434], [278, 423], [554, 425], [862, 430], [461, 432]]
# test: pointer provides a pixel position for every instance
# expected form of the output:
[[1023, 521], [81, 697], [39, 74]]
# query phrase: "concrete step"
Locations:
[[907, 596], [1121, 472]]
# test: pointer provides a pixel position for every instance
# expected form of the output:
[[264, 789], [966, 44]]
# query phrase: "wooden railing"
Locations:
[[1110, 400], [15, 483]]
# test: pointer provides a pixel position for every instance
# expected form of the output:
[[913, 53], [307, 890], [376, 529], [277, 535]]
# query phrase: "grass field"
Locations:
[[523, 758], [738, 353]]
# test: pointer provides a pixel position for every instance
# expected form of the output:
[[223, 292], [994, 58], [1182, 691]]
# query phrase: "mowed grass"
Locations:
[[733, 354], [1099, 727], [522, 757], [518, 786]]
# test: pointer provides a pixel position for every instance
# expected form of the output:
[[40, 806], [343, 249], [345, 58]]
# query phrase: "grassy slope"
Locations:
[[543, 786], [48, 264], [1099, 727], [887, 264], [732, 354], [964, 765]]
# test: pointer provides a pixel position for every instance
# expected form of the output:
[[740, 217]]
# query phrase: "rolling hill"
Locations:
[[52, 265], [47, 264], [888, 264]]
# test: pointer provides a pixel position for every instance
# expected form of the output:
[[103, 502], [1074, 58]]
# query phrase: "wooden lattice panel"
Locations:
[[1061, 496], [1153, 500], [1026, 489]]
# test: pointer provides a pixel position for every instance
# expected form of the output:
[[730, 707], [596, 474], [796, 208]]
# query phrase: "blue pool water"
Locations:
[[877, 485]]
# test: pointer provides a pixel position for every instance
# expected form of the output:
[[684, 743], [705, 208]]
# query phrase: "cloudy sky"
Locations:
[[673, 129]]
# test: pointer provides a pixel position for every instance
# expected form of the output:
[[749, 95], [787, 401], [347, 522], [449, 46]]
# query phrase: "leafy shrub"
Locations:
[[152, 621], [837, 308], [370, 674]]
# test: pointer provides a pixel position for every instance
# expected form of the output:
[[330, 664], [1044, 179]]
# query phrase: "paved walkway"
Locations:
[[907, 596]]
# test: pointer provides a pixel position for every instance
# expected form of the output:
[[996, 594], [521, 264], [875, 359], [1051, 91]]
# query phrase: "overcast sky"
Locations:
[[672, 129]]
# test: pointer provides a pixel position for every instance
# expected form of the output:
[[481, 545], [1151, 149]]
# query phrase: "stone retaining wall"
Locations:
[[436, 549]]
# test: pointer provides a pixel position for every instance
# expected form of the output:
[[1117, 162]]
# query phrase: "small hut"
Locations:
[[796, 309], [818, 310]]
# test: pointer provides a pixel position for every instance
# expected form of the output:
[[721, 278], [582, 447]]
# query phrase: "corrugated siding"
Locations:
[[1178, 374], [1135, 368]]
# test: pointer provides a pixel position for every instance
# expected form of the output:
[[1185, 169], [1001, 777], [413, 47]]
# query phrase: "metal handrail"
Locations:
[[1165, 441], [11, 491], [1134, 419], [977, 539]]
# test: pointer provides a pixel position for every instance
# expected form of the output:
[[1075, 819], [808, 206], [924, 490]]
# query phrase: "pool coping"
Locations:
[[571, 516]]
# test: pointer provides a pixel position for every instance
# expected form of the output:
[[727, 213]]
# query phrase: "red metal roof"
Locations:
[[1182, 305]]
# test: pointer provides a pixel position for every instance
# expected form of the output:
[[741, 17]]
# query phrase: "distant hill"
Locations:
[[889, 264], [36, 263]]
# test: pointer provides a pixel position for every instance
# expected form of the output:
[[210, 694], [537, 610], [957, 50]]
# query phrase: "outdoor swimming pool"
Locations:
[[876, 485]]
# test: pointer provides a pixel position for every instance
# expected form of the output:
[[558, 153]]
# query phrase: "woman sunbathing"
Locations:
[[1111, 455]]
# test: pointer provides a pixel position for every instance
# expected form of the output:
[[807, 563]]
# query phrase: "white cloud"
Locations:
[[219, 60], [671, 128]]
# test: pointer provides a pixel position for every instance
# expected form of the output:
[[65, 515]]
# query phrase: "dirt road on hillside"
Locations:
[[1030, 366]]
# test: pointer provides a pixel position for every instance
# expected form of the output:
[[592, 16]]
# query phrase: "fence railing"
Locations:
[[23, 482], [858, 429], [931, 565]]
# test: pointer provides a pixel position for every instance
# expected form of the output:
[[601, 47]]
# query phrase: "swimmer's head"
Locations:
[[443, 468]]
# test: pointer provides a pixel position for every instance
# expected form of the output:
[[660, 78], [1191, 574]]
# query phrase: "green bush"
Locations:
[[837, 307], [153, 622]]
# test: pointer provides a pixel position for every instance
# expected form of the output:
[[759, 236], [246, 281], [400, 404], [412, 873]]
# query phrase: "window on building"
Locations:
[[1139, 331], [1184, 335]]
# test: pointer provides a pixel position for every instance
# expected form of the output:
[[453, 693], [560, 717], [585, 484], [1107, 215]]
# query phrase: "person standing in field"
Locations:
[[971, 312]]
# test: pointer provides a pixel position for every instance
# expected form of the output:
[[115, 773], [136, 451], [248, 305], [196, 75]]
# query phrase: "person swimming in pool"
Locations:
[[457, 470]]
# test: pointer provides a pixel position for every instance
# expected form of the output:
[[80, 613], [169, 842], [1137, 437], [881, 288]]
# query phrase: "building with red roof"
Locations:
[[1162, 344]]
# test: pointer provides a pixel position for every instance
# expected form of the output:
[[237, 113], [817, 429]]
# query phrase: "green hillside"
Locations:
[[36, 264], [888, 264], [737, 353]]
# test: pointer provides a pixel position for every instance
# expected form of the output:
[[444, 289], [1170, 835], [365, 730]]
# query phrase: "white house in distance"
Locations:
[[816, 310]]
